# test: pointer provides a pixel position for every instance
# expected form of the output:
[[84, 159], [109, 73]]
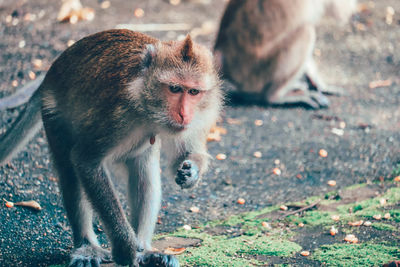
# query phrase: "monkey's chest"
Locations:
[[133, 145]]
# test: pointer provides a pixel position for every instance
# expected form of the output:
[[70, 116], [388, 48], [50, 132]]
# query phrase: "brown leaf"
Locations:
[[174, 251], [380, 83], [29, 204]]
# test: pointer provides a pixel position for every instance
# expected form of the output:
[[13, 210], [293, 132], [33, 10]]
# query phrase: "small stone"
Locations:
[[187, 227], [258, 122], [194, 209], [257, 154]]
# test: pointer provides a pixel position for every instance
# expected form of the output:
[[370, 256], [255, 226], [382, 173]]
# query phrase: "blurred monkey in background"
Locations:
[[265, 48]]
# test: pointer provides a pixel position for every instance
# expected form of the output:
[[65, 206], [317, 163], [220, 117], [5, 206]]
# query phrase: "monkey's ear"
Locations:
[[148, 55], [187, 49]]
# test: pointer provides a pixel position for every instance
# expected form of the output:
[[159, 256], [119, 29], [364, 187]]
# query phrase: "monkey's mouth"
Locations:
[[176, 127]]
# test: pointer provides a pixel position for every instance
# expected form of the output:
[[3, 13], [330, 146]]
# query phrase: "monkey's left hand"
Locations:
[[187, 174], [157, 260]]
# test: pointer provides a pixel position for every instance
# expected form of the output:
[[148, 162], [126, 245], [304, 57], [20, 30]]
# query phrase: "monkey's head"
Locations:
[[181, 88]]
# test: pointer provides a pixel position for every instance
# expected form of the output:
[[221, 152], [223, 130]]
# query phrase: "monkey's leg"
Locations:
[[101, 193], [145, 199], [286, 86], [87, 251], [318, 83]]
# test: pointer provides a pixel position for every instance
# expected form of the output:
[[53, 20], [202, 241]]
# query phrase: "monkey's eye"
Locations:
[[175, 89], [193, 91]]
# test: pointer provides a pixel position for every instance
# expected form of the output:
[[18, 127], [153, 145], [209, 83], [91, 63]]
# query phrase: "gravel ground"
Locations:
[[290, 138]]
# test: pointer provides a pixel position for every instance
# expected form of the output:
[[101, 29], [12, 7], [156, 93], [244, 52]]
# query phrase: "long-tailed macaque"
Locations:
[[265, 48], [114, 97]]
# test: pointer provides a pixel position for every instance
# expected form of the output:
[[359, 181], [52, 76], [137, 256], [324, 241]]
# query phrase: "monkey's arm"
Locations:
[[22, 95]]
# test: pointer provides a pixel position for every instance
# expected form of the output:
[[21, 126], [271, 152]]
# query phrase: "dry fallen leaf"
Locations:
[[73, 11], [333, 231], [377, 217], [351, 239], [105, 4], [220, 156], [331, 183], [215, 133], [139, 12], [174, 251], [174, 2], [266, 225], [283, 207], [305, 253], [380, 83], [258, 122], [29, 204], [323, 153], [397, 179], [335, 218], [9, 204], [367, 223], [32, 75], [233, 121], [357, 223], [276, 171], [37, 63], [241, 201]]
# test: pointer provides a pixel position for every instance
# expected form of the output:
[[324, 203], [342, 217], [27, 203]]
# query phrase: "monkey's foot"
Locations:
[[89, 256], [157, 260], [187, 174]]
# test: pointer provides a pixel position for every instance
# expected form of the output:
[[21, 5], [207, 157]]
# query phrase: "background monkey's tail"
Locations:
[[24, 128]]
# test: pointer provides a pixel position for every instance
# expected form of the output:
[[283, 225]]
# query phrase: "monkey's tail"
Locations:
[[24, 128], [22, 95]]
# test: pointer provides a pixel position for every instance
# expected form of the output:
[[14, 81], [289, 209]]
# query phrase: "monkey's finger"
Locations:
[[187, 164], [333, 90], [320, 99]]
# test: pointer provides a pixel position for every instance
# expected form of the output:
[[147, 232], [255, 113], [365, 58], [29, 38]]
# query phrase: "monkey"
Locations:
[[265, 47], [113, 98]]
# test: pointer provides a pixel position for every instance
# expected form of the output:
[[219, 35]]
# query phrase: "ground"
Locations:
[[360, 132]]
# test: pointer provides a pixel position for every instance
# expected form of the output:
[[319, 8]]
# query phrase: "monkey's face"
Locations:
[[181, 84], [182, 102]]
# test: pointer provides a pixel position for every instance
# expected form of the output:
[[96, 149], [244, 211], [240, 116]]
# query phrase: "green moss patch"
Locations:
[[239, 251], [366, 254]]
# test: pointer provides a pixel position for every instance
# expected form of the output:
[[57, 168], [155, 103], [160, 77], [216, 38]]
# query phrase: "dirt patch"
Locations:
[[232, 231]]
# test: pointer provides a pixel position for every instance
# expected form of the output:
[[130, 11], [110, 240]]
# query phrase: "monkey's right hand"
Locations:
[[187, 175]]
